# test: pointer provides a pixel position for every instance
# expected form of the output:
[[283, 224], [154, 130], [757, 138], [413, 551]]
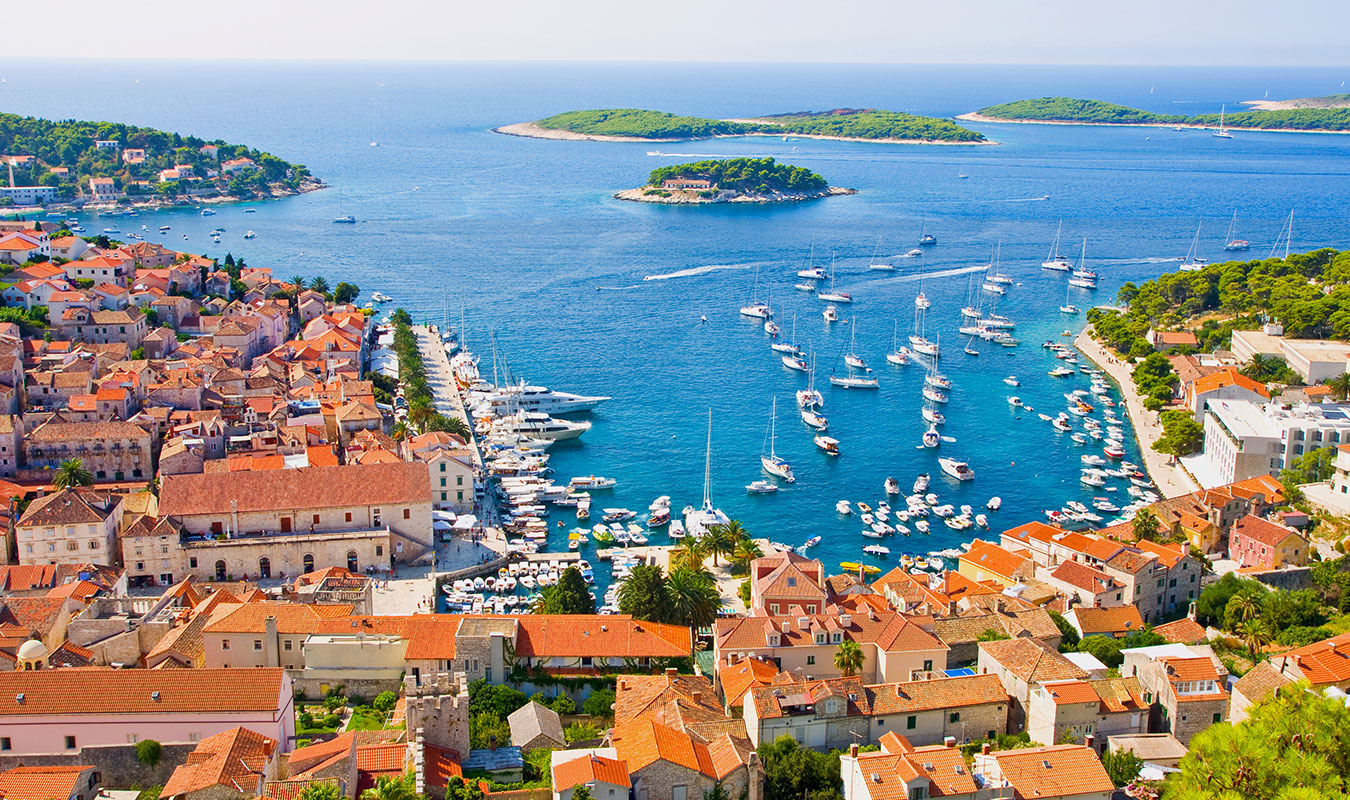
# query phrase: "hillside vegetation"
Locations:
[[745, 175], [850, 123], [1068, 109], [1308, 293], [70, 144]]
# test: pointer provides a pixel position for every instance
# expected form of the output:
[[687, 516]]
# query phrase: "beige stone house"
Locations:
[[1080, 709], [70, 526], [111, 450]]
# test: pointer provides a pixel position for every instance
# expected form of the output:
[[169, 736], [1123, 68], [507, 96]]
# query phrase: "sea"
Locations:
[[519, 242]]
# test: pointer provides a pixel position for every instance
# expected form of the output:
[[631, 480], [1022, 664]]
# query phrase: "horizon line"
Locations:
[[85, 59]]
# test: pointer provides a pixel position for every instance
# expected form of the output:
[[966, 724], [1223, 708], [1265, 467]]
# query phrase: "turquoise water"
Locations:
[[525, 235]]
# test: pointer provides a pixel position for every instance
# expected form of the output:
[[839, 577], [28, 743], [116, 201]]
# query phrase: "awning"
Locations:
[[466, 523]]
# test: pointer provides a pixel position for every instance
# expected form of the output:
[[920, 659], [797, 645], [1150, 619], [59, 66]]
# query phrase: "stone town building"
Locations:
[[1255, 542], [894, 647], [604, 777], [1323, 665], [70, 526], [785, 583], [534, 725], [901, 771], [1186, 685], [126, 326], [297, 520], [668, 764], [1022, 664], [110, 450], [231, 765], [1083, 709], [1058, 772]]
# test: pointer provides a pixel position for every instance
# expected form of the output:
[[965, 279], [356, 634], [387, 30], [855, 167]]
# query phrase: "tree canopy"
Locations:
[[745, 175], [1070, 109], [569, 595]]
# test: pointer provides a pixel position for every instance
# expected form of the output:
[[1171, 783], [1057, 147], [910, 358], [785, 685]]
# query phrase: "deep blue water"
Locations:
[[522, 232]]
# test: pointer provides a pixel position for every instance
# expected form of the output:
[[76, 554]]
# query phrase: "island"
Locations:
[[71, 163], [1305, 115], [731, 180], [847, 124]]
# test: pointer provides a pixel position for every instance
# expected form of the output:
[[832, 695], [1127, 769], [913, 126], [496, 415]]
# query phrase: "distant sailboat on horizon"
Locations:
[[1222, 132]]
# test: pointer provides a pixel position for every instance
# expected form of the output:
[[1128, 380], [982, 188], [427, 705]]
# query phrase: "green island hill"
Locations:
[[731, 180], [1330, 114], [60, 163], [636, 124]]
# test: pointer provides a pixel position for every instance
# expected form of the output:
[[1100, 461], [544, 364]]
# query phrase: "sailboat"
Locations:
[[698, 521], [772, 463], [756, 308], [972, 308], [851, 357], [1286, 235], [1054, 261], [882, 267], [917, 340], [832, 296], [995, 282], [1231, 242], [898, 356], [771, 327], [970, 347], [341, 218], [1081, 280], [926, 239], [809, 397], [921, 300], [790, 346], [1192, 262], [1068, 308], [812, 272], [1222, 132]]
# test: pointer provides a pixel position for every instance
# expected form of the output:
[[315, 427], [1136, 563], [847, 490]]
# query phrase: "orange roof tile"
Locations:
[[97, 690], [587, 769], [1111, 621], [235, 759], [1063, 770], [53, 782], [1229, 376]]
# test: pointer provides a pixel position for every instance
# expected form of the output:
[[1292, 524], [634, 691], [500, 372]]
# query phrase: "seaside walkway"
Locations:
[[1169, 477]]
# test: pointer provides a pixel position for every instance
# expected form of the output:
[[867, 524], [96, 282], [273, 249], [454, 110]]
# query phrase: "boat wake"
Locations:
[[1024, 199], [943, 273], [692, 271]]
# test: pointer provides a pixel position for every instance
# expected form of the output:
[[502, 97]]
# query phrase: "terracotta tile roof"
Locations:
[[116, 691], [439, 765], [1270, 489], [899, 698], [87, 431], [1062, 770], [304, 759], [53, 782], [1199, 668], [618, 635], [745, 674], [292, 789], [1168, 554], [1031, 661], [889, 631], [901, 766], [1229, 376], [1118, 620], [995, 559], [291, 617], [784, 698], [1263, 531], [310, 487], [641, 743], [68, 507], [382, 759], [1260, 682], [1182, 631], [669, 699], [1324, 662], [32, 614], [1083, 577], [587, 769], [235, 759]]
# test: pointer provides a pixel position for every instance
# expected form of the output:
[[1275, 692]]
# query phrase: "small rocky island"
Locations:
[[731, 180]]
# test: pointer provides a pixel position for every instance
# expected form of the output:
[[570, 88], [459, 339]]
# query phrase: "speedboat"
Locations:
[[957, 469], [831, 314], [843, 507], [1011, 380], [592, 482], [761, 487], [1014, 401], [828, 444], [914, 253], [876, 550], [994, 504], [921, 483], [892, 486], [658, 518], [834, 297]]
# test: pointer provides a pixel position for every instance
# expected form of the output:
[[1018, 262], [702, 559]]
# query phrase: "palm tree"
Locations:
[[400, 431], [688, 554], [1255, 635], [387, 788], [1245, 606], [1340, 386], [457, 426], [298, 281], [421, 412], [848, 658], [319, 285], [745, 551], [736, 530], [718, 541], [693, 596], [72, 473], [1260, 366]]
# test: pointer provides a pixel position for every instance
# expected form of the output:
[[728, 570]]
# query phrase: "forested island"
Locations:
[[636, 124], [1305, 114], [731, 180], [54, 162]]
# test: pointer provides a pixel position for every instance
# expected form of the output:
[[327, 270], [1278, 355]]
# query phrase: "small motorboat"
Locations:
[[843, 507], [994, 504], [892, 486], [829, 445], [1014, 401], [761, 487], [876, 550]]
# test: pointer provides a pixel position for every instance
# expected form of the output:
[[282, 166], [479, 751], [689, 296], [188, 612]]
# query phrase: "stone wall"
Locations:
[[365, 689], [118, 764], [438, 710], [1287, 579]]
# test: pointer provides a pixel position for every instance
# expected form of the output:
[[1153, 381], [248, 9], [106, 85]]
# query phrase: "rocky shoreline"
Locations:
[[977, 117], [530, 130], [686, 198], [152, 202]]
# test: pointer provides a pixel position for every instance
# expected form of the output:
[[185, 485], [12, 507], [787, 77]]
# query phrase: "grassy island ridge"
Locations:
[[866, 124], [65, 154], [1098, 112]]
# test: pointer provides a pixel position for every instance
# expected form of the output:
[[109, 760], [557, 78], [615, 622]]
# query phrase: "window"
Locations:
[[1216, 718], [837, 637], [224, 644], [72, 546], [70, 742], [407, 513], [810, 660], [442, 483], [257, 644], [287, 645], [349, 516], [459, 480], [679, 793], [5, 743], [442, 470], [792, 581], [955, 716], [911, 722], [316, 519], [928, 665], [93, 544]]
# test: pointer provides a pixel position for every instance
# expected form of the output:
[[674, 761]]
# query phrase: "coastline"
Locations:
[[1170, 478], [530, 130], [154, 203], [974, 116], [678, 198]]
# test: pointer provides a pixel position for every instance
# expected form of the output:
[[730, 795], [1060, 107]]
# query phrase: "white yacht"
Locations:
[[796, 362], [898, 356], [1082, 277], [828, 444], [957, 469], [761, 487], [851, 357], [882, 266], [502, 400], [809, 397], [540, 426], [853, 382], [698, 521], [1192, 262], [757, 310]]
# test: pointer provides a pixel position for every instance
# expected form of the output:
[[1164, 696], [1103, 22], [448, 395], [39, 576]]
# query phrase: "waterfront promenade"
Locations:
[[1168, 476]]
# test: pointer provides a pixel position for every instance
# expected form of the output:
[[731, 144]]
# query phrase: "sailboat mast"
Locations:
[[707, 465], [1290, 238]]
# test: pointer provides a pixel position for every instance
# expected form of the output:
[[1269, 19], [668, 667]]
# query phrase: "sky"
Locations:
[[1136, 32]]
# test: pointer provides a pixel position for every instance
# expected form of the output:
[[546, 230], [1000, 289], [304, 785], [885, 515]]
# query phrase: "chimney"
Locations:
[[271, 646], [787, 626], [845, 620], [949, 741], [853, 750], [984, 749], [1089, 741], [698, 697], [671, 672], [492, 742]]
